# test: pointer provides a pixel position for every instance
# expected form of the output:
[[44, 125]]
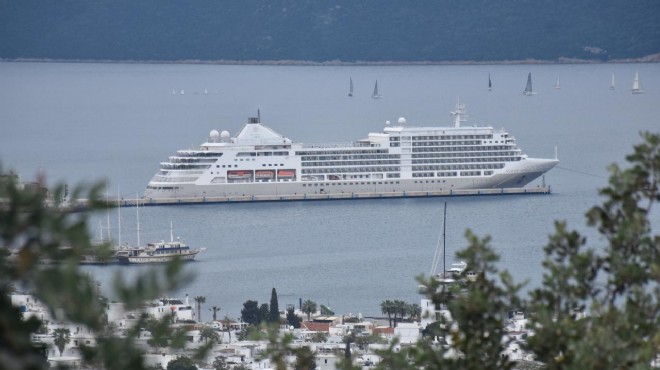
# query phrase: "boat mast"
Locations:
[[118, 218], [137, 212], [444, 223]]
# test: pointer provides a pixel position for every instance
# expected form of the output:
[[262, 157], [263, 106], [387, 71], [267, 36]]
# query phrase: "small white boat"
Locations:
[[350, 89], [637, 85], [612, 83], [528, 88], [557, 85], [376, 95]]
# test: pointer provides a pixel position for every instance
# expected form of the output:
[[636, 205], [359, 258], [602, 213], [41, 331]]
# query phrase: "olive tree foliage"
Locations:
[[474, 338], [599, 307], [34, 229]]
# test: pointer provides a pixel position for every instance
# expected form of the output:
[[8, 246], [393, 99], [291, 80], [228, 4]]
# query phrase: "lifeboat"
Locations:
[[265, 174], [286, 173]]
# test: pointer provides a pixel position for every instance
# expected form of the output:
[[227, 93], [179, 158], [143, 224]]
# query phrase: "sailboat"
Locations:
[[447, 276], [490, 85], [612, 83], [637, 85], [557, 85], [528, 88], [350, 91], [376, 95]]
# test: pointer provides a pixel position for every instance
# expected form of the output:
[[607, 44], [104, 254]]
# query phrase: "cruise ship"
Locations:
[[258, 161]]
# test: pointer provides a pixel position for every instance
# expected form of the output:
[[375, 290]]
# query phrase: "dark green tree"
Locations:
[[264, 313], [292, 319], [214, 310], [62, 338], [387, 308], [220, 363], [305, 359], [309, 307], [207, 333], [599, 307], [181, 363], [250, 312], [200, 299], [399, 308], [274, 316], [33, 229]]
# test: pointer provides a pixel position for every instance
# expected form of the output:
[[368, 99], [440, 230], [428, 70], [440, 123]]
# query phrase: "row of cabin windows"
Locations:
[[459, 167], [446, 174], [344, 157], [342, 152], [441, 137], [347, 170], [349, 163], [353, 183], [466, 153], [463, 160], [463, 148]]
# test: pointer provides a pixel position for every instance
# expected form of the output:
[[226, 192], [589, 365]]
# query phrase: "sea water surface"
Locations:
[[79, 122]]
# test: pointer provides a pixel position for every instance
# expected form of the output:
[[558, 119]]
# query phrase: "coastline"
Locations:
[[653, 58]]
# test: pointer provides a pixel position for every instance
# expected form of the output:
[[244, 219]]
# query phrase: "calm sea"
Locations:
[[117, 122]]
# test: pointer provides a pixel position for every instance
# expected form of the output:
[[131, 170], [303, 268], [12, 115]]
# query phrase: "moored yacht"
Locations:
[[158, 252], [258, 161]]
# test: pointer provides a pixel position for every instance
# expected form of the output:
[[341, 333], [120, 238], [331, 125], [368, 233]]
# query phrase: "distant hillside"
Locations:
[[320, 31]]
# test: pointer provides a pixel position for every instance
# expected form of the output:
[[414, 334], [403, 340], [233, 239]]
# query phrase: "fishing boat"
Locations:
[[376, 95], [528, 88], [350, 88], [637, 85]]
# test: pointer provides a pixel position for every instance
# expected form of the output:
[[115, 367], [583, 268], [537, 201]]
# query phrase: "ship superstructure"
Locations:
[[259, 161]]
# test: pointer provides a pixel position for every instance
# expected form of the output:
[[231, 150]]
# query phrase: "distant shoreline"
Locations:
[[654, 58]]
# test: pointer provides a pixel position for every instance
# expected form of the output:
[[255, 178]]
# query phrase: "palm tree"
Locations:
[[62, 338], [215, 310], [309, 307], [199, 300], [387, 307], [399, 309], [414, 311]]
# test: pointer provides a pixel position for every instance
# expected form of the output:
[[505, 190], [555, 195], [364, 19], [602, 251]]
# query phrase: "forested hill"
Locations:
[[320, 31]]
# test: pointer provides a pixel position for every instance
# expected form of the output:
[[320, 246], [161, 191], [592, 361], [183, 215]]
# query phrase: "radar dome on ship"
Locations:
[[214, 135], [224, 134], [402, 121]]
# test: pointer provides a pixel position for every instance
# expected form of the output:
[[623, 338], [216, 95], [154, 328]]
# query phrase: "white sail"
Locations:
[[350, 91], [557, 85], [612, 83], [490, 85], [376, 95], [528, 88], [637, 85]]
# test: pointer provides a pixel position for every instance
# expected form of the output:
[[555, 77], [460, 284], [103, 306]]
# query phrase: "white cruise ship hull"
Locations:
[[261, 162]]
